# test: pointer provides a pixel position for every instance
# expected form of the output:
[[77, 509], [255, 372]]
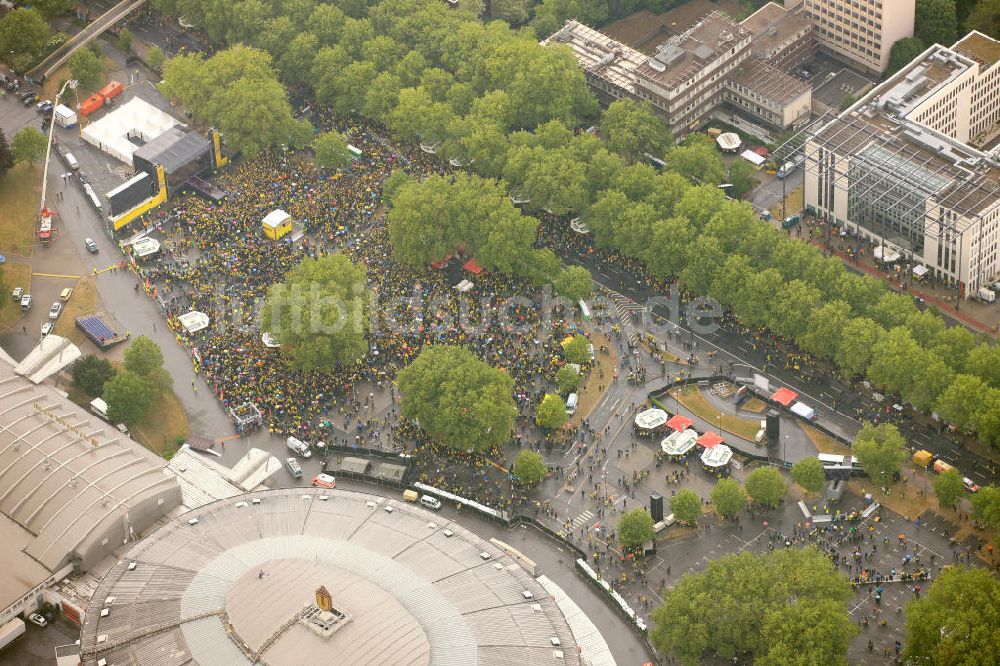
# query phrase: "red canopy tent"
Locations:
[[710, 439], [784, 396], [473, 267], [441, 263], [678, 422]]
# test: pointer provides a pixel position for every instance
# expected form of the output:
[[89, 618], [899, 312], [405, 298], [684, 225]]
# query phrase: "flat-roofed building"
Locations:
[[782, 38], [861, 31], [898, 168], [768, 94]]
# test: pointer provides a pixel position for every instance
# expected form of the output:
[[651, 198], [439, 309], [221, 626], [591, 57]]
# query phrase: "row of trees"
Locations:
[[468, 93]]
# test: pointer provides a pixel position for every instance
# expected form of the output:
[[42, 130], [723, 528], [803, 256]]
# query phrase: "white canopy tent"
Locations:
[[753, 157], [803, 410], [679, 443], [136, 119], [920, 270], [885, 254], [194, 321], [651, 418], [729, 142], [717, 456], [145, 247]]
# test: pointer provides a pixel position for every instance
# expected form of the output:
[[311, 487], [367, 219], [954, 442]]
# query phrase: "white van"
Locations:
[[298, 446], [71, 162], [571, 403], [432, 502], [99, 407]]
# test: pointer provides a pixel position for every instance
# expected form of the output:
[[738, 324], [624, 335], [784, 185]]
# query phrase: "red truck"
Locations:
[[112, 90]]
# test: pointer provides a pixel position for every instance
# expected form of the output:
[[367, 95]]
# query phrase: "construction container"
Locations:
[[91, 104], [112, 90]]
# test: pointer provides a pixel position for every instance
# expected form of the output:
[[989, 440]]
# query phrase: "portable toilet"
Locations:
[[277, 224]]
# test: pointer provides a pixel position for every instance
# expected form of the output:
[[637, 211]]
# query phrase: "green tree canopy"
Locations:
[[6, 155], [686, 506], [960, 402], [808, 473], [902, 54], [129, 397], [956, 621], [29, 145], [91, 372], [433, 218], [331, 150], [23, 33], [529, 468], [635, 528], [155, 58], [86, 67], [143, 356], [551, 413], [738, 602], [457, 399], [881, 451], [238, 92], [568, 379], [765, 486], [52, 7], [948, 487], [728, 497], [741, 176], [574, 283], [577, 350], [697, 160], [935, 22], [320, 312], [632, 129], [986, 506]]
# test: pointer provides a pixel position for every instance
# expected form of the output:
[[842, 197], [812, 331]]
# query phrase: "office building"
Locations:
[[861, 32], [900, 167]]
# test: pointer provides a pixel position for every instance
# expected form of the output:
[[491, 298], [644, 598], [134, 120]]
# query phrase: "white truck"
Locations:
[[64, 116], [10, 631], [986, 295]]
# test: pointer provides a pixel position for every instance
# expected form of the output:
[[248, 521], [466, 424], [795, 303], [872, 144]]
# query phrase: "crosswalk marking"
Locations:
[[582, 518]]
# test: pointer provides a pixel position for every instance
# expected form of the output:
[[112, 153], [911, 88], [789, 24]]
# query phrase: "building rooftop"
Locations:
[[65, 475], [174, 149], [600, 55], [923, 77], [680, 57], [981, 48], [769, 82], [773, 26], [225, 583], [20, 572]]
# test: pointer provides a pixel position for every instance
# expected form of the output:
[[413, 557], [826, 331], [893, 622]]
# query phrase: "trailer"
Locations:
[[90, 105], [64, 116], [112, 90], [11, 631]]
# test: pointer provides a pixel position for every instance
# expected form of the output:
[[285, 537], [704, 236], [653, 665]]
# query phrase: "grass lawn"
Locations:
[[14, 275], [824, 443], [695, 402], [162, 427], [20, 192], [589, 395], [61, 75], [754, 405], [83, 300]]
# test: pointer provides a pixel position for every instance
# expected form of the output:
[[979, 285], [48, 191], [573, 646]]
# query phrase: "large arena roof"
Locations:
[[77, 485], [233, 582]]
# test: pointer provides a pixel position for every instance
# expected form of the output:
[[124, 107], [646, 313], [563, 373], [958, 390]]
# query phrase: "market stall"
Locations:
[[678, 444], [716, 459], [650, 422]]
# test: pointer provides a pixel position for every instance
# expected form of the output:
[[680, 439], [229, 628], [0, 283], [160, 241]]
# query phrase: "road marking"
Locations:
[[54, 275], [582, 518]]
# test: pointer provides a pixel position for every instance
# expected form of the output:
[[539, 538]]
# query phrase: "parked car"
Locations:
[[90, 245], [970, 485], [47, 328], [18, 293], [35, 618], [26, 302], [55, 310], [42, 104], [65, 294], [28, 97], [324, 481]]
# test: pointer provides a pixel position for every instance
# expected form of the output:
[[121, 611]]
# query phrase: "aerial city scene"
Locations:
[[500, 332]]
